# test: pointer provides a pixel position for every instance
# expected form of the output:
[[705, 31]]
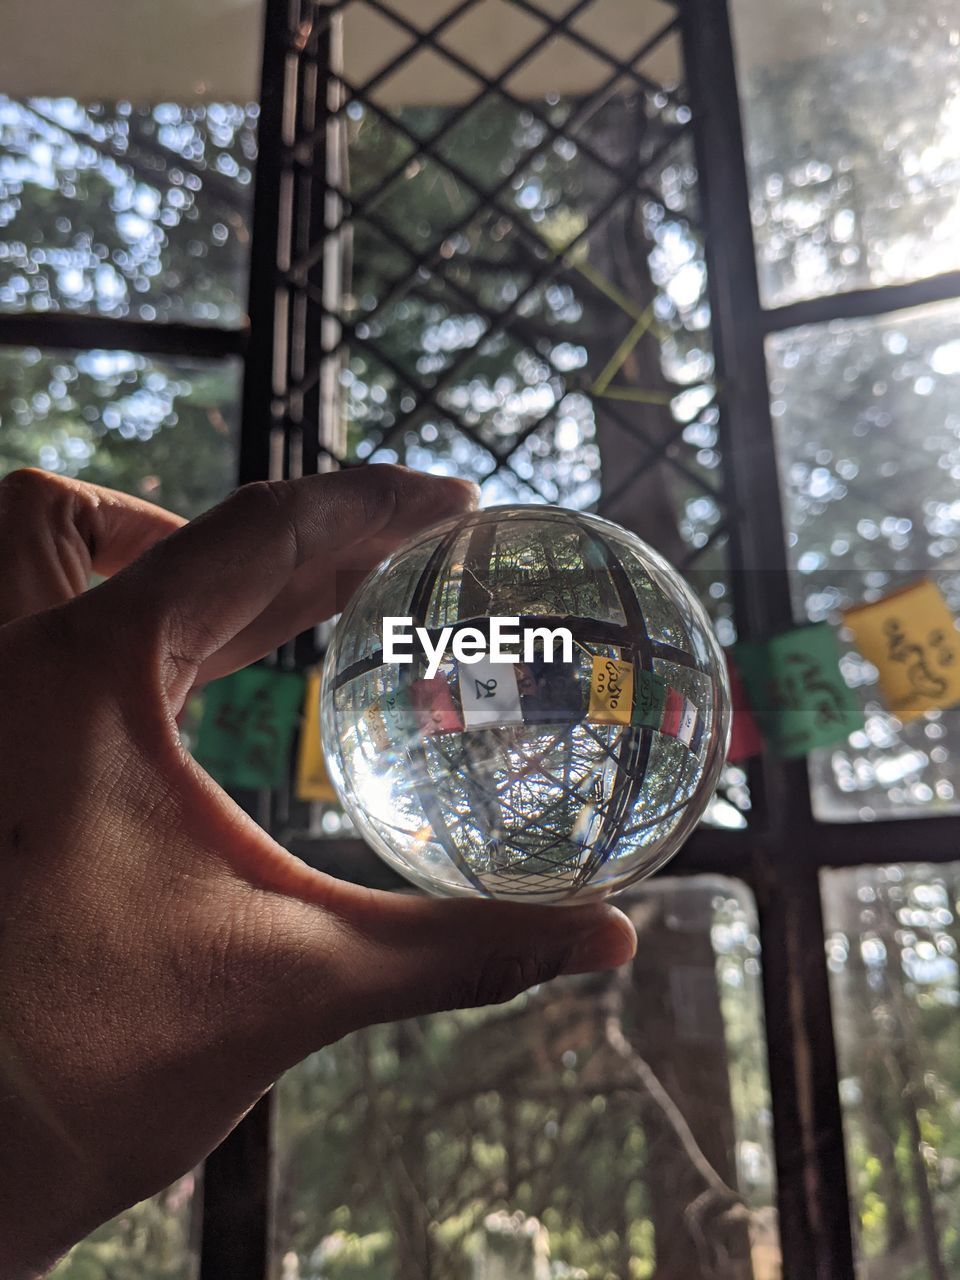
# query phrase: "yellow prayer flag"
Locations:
[[611, 691], [912, 640], [313, 781]]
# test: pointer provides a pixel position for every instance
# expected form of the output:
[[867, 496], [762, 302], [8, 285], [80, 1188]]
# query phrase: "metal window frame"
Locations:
[[782, 853]]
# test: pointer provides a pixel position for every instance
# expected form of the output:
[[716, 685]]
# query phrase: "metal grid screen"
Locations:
[[482, 273]]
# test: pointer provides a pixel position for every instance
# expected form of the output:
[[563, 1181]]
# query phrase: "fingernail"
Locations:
[[611, 945]]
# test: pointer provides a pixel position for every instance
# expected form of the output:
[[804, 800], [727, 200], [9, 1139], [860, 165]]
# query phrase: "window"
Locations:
[[598, 1126], [892, 952], [123, 211], [866, 431], [851, 113], [165, 430]]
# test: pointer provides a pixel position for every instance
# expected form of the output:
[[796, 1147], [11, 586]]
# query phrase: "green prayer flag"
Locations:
[[397, 708], [649, 699], [248, 724], [796, 690]]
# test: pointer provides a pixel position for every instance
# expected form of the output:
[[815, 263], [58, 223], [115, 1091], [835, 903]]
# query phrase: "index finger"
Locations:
[[258, 568]]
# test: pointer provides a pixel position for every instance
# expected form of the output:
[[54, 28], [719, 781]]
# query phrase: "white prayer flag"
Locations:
[[489, 693], [688, 723]]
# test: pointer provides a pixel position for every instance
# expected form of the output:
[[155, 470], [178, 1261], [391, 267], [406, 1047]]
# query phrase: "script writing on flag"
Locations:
[[911, 637], [611, 691], [489, 693], [797, 691]]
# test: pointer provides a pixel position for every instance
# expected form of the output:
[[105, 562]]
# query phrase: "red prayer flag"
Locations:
[[433, 706], [746, 740]]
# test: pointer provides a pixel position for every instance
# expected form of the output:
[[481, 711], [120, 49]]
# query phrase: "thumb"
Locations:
[[382, 957], [423, 955]]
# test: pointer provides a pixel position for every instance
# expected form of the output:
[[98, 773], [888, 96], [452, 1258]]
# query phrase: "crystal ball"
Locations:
[[525, 703]]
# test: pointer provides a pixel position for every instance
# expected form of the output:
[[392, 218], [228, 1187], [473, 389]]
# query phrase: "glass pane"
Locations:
[[165, 430], [474, 346], [852, 120], [868, 437], [545, 1138], [156, 1240], [528, 299], [126, 211], [892, 947]]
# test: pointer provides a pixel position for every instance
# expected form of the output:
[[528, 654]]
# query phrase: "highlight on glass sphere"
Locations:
[[525, 703]]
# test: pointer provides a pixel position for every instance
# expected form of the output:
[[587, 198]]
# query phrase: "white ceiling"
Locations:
[[149, 51], [143, 51]]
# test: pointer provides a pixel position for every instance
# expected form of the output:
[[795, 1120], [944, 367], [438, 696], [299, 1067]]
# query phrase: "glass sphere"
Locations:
[[561, 754]]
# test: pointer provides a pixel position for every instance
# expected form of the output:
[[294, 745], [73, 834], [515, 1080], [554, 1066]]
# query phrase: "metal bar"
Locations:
[[430, 142], [709, 851], [626, 69], [422, 39], [305, 347], [236, 1201], [914, 838], [487, 200], [558, 25], [554, 264], [659, 451], [504, 457], [813, 1193], [237, 1207], [518, 325], [583, 113], [860, 304], [259, 410], [719, 851], [812, 1188], [695, 553], [58, 332]]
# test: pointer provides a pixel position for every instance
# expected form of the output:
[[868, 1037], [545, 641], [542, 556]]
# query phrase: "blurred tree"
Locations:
[[163, 430], [124, 211], [541, 1122]]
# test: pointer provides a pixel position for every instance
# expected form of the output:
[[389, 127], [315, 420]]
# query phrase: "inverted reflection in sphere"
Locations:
[[568, 773]]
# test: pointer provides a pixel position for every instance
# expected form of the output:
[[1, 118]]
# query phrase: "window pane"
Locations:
[[126, 211], [892, 948], [528, 294], [527, 302], [165, 430], [868, 437], [852, 120], [156, 1240], [544, 1138]]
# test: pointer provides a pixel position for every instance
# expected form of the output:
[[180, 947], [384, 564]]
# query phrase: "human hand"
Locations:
[[162, 960]]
